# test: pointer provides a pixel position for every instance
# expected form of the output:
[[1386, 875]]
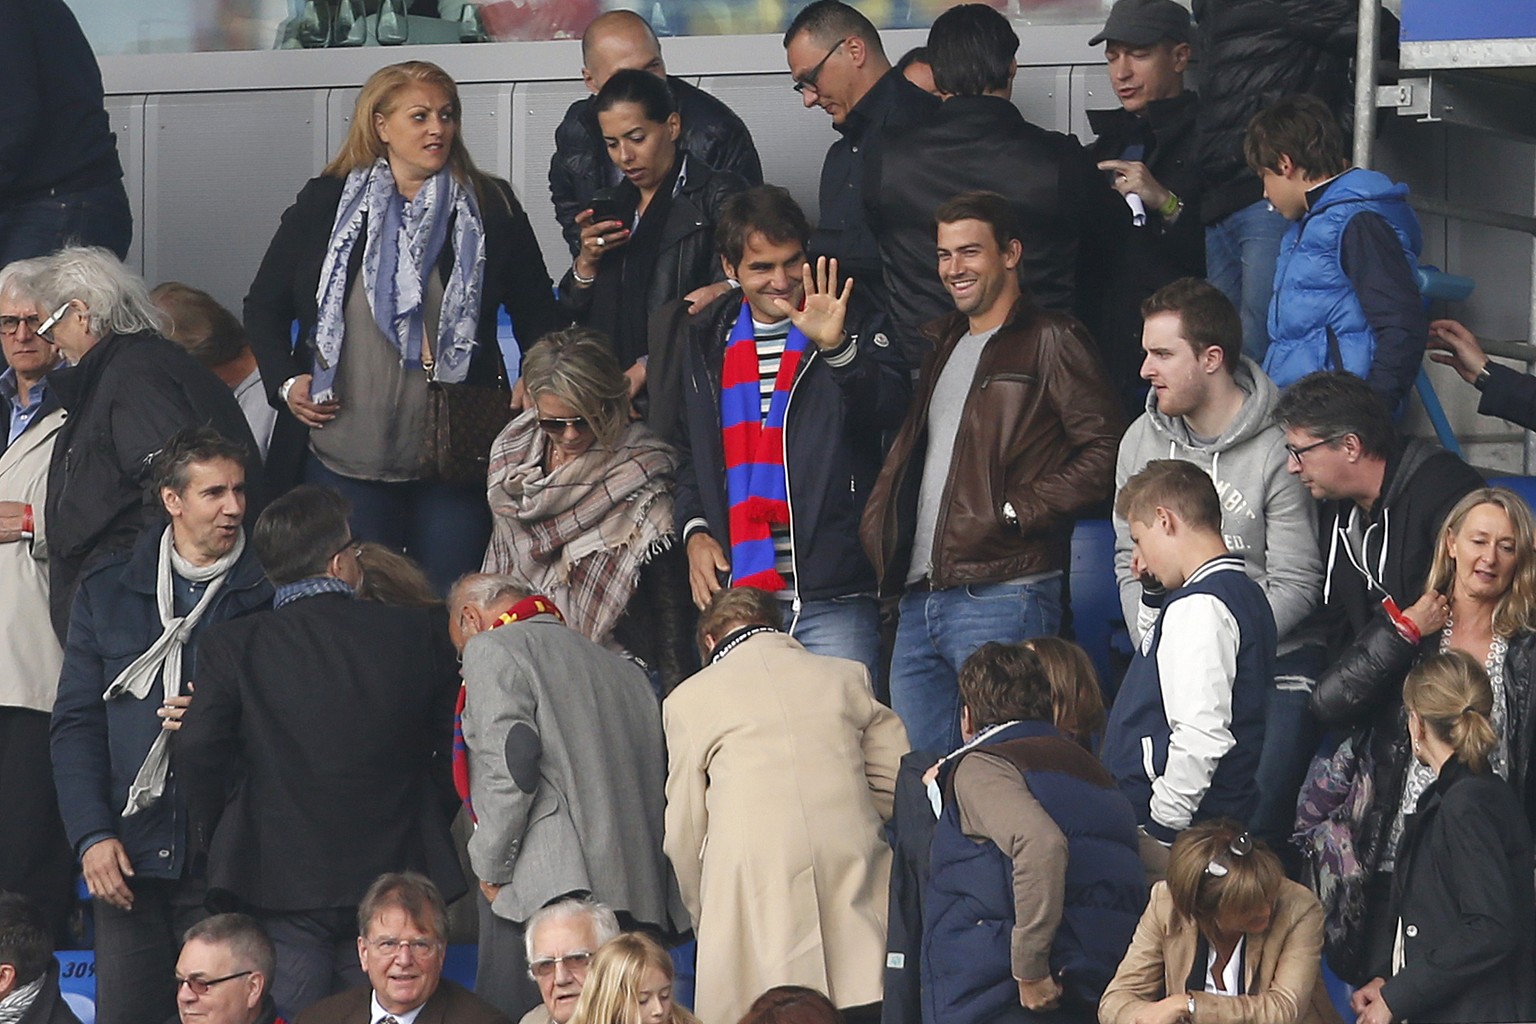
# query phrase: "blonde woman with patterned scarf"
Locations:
[[581, 497]]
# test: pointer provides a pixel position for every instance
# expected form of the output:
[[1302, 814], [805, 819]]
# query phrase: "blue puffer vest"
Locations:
[[968, 911], [1312, 292]]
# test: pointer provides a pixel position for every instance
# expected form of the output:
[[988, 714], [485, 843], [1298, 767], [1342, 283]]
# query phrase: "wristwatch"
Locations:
[[1191, 1006], [1483, 377], [1009, 515]]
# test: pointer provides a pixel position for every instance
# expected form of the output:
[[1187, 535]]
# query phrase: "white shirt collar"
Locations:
[[378, 1013]]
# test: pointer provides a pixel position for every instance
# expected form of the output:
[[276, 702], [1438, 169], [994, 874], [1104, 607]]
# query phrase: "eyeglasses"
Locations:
[[556, 425], [48, 325], [576, 961], [808, 80], [1240, 846], [200, 986], [9, 325], [421, 949], [1297, 453]]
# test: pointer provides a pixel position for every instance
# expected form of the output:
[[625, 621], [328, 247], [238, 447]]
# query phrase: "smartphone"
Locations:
[[606, 205]]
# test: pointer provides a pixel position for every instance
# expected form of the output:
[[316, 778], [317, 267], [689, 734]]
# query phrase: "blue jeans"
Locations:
[[842, 627], [445, 527], [92, 216], [1291, 736], [1240, 254], [939, 629]]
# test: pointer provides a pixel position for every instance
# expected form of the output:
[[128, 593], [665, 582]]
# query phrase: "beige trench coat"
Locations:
[[781, 770]]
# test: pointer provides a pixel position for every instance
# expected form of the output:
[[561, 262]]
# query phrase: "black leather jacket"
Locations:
[[580, 165]]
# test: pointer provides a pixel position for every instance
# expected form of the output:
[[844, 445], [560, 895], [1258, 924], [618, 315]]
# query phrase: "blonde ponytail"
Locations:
[[1453, 696]]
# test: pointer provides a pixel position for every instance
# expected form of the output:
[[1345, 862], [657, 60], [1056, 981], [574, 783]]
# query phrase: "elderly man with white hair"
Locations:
[[566, 768], [561, 939], [126, 390]]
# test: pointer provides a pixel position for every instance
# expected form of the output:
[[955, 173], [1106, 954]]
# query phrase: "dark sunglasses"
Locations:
[[556, 425]]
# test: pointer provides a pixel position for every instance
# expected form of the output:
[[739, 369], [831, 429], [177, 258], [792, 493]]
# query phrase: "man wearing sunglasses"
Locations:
[[224, 973], [838, 64]]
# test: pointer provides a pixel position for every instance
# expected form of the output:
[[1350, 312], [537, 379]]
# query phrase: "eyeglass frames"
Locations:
[[808, 80]]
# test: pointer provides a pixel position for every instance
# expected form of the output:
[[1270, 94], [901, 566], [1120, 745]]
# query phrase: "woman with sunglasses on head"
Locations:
[[1479, 598], [1462, 898], [394, 262], [581, 501], [654, 242], [630, 982], [1226, 939]]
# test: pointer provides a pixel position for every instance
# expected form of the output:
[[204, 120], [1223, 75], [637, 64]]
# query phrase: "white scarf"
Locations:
[[163, 659], [14, 1007]]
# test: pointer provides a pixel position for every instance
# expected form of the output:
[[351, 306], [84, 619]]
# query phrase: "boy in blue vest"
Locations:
[[1035, 880], [1187, 725], [1346, 296]]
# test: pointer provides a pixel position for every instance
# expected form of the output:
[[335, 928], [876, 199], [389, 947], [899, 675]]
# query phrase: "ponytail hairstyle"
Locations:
[[1453, 696]]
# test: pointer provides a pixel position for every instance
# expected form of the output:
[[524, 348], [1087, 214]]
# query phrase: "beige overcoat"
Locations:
[[781, 771]]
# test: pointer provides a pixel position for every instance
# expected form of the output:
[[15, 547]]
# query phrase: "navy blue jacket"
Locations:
[[968, 912], [1218, 754], [832, 433], [97, 745]]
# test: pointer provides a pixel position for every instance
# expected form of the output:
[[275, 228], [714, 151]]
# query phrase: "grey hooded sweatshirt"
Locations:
[[1267, 515]]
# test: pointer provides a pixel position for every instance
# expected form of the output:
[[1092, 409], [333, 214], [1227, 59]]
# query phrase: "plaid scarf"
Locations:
[[582, 532], [756, 487], [524, 609]]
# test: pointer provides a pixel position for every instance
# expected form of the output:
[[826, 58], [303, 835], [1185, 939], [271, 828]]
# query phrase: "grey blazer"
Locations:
[[567, 773]]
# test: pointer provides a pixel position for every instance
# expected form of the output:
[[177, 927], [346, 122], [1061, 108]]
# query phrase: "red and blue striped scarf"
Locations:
[[755, 484], [526, 608]]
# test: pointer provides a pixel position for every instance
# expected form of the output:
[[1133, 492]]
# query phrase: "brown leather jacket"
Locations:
[[1040, 430]]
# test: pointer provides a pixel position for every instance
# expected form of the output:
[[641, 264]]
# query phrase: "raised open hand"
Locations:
[[821, 317]]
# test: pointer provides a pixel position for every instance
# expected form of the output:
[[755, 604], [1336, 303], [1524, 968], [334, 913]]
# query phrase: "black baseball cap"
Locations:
[[1144, 22]]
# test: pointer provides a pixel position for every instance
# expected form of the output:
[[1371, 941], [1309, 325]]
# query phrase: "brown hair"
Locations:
[[767, 210], [1207, 318], [1302, 128], [379, 95], [1516, 610], [734, 607], [988, 207], [1208, 879], [1453, 696], [792, 1004], [1182, 488], [409, 892], [1077, 704], [1005, 683], [198, 323], [392, 578]]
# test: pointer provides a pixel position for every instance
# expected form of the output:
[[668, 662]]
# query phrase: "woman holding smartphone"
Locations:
[[651, 239]]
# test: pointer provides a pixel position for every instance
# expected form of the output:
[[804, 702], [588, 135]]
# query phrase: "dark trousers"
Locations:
[[501, 972], [316, 956], [42, 225], [136, 950], [445, 527], [35, 858]]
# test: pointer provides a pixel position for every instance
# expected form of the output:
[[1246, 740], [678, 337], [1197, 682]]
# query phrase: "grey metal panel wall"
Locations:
[[537, 108], [219, 169]]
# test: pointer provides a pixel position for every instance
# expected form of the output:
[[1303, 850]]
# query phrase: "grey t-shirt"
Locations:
[[944, 411], [381, 428]]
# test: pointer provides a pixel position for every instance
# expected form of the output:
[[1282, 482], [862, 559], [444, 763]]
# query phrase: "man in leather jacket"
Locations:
[[850, 387], [712, 132], [1012, 434]]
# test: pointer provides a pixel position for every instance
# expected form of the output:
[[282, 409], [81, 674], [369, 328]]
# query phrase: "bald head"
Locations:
[[619, 41]]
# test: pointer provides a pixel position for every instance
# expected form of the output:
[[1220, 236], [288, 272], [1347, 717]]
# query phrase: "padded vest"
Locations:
[[968, 910], [1312, 292]]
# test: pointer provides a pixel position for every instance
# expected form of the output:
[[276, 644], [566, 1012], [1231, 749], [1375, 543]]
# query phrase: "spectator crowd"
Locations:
[[726, 622]]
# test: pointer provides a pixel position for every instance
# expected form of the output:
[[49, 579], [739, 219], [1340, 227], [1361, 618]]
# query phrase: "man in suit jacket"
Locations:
[[782, 770], [330, 721], [566, 770], [403, 939]]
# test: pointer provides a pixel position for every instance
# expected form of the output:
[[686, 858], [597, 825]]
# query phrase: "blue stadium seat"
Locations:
[[1525, 486]]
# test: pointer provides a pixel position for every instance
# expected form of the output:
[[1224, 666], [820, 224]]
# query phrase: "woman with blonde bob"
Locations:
[[630, 982], [394, 262], [1226, 939], [581, 497], [1462, 897], [1480, 599]]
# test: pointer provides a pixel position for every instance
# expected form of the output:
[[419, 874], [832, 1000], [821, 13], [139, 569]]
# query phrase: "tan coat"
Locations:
[[1281, 966], [781, 770], [30, 655]]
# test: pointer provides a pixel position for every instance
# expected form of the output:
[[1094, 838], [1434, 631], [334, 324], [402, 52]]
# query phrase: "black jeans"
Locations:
[[136, 950], [35, 859]]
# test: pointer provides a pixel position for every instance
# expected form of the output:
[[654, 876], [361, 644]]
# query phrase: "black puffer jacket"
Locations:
[[1251, 53], [1362, 691], [580, 166]]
